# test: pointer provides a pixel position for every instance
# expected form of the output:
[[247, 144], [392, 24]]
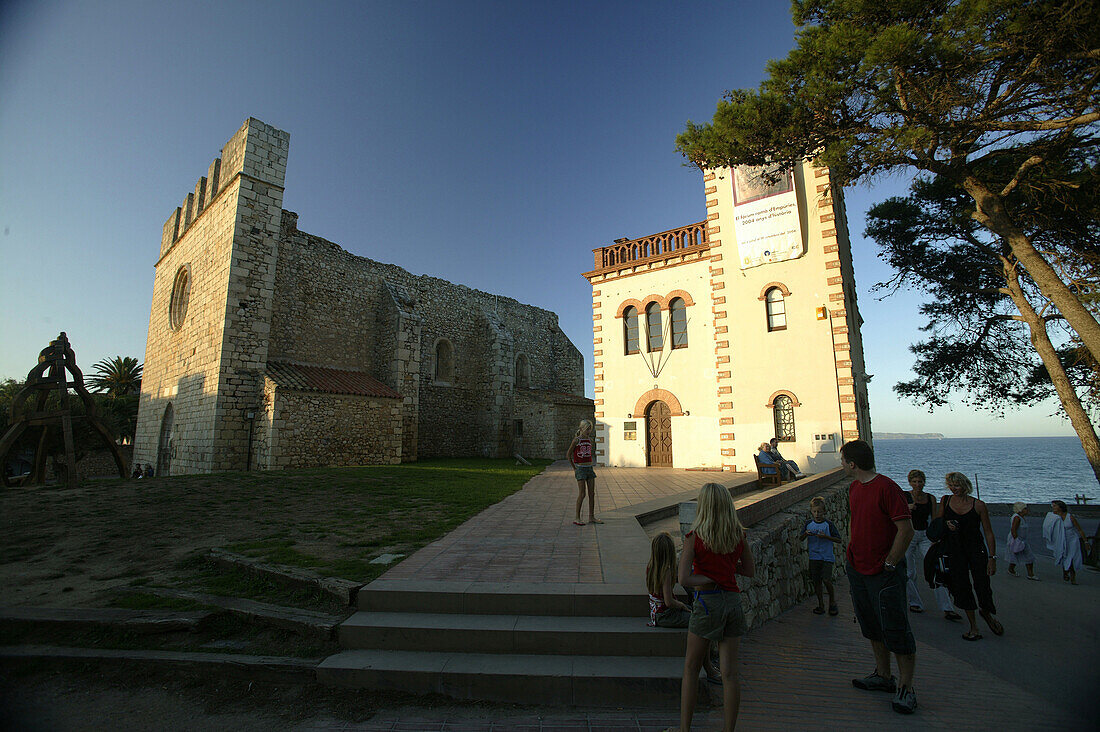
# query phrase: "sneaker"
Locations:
[[874, 682], [905, 701]]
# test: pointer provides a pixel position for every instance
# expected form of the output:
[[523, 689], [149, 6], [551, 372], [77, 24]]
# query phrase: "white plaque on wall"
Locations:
[[765, 217]]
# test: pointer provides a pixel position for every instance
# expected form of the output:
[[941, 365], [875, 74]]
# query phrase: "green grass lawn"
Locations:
[[61, 546]]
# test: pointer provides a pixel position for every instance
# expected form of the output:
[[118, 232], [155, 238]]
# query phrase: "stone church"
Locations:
[[714, 337], [272, 348]]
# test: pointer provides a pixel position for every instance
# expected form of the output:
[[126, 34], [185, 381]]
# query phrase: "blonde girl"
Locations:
[[715, 552], [665, 611], [582, 456]]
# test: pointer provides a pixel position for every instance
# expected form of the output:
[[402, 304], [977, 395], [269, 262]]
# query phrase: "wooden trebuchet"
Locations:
[[56, 363]]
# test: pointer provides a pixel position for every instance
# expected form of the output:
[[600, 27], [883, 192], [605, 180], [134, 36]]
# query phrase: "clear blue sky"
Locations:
[[489, 143]]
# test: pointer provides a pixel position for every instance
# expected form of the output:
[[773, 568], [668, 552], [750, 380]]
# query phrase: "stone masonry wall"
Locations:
[[782, 562], [249, 299], [260, 289], [313, 430], [330, 306], [183, 365], [548, 428]]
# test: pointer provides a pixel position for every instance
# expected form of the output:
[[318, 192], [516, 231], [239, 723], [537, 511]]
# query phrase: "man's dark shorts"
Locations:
[[820, 570], [879, 603]]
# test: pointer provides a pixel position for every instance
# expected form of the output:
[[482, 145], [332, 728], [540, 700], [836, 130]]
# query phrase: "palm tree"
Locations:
[[117, 376]]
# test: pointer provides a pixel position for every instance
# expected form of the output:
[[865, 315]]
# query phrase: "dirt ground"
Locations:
[[63, 547]]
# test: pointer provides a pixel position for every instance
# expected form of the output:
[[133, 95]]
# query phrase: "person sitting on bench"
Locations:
[[790, 467]]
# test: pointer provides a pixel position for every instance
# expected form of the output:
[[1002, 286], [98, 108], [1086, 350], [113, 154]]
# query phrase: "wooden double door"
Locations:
[[658, 424]]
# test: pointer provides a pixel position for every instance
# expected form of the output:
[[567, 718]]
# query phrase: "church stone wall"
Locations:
[[337, 309], [261, 289], [184, 365], [312, 429]]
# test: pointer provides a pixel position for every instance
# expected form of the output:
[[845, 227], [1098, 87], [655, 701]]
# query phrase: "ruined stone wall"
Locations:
[[782, 561], [334, 308], [325, 304], [314, 430]]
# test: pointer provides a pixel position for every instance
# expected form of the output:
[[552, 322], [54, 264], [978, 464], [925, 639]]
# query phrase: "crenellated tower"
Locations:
[[210, 320]]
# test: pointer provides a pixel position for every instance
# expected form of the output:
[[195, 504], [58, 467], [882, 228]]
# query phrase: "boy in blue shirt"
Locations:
[[821, 535]]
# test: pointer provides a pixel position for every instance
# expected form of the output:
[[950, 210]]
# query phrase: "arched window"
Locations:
[[181, 293], [678, 316], [783, 410], [654, 341], [630, 329], [523, 372], [777, 310], [444, 361]]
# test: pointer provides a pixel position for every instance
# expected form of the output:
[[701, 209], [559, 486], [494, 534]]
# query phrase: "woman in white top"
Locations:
[[1060, 529], [1017, 548]]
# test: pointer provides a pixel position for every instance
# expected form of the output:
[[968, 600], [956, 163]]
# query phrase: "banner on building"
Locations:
[[765, 217]]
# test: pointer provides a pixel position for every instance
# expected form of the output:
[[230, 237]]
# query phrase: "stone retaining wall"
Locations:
[[782, 563]]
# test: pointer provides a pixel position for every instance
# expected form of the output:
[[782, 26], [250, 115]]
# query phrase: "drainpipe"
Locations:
[[248, 456]]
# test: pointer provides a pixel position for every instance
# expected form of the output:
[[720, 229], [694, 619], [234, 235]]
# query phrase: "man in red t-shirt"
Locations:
[[881, 530]]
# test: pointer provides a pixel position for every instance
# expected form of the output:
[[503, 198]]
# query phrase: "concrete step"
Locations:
[[524, 634], [591, 681], [504, 598]]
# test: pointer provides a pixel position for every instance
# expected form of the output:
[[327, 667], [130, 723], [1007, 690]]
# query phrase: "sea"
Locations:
[[1004, 469]]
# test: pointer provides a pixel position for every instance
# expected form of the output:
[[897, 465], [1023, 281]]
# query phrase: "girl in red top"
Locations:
[[715, 552], [582, 456]]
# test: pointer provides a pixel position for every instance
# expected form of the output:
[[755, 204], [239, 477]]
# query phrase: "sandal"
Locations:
[[833, 610], [993, 623], [1033, 577], [916, 609], [972, 636], [578, 523], [594, 521], [819, 610], [951, 615]]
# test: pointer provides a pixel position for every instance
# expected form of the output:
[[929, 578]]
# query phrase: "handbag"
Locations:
[[1016, 545]]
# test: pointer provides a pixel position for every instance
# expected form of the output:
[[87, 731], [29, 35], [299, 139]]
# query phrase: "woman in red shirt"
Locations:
[[715, 552], [582, 456]]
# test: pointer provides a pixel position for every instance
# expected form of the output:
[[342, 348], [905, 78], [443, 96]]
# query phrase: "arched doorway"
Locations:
[[164, 444], [658, 422]]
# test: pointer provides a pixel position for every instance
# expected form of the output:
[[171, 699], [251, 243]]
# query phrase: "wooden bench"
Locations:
[[763, 478]]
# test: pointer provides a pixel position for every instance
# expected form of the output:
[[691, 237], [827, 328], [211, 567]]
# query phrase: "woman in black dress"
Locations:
[[971, 551]]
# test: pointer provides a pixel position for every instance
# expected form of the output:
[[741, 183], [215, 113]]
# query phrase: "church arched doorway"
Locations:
[[658, 422], [164, 444]]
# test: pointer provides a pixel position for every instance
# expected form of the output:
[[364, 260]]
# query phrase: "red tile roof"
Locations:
[[330, 381]]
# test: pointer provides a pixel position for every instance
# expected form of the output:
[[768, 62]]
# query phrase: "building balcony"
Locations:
[[655, 248]]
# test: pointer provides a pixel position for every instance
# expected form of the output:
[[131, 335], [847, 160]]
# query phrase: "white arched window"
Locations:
[[654, 339], [776, 309], [677, 313], [630, 330], [783, 410]]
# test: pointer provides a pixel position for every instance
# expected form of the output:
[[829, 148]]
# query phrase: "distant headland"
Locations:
[[906, 436]]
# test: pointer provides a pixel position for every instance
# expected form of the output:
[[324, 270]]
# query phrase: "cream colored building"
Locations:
[[714, 337]]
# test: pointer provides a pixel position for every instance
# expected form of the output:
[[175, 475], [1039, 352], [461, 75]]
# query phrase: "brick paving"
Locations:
[[796, 669], [530, 535]]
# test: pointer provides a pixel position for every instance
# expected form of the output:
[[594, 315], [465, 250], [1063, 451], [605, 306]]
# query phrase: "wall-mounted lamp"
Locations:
[[823, 313]]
